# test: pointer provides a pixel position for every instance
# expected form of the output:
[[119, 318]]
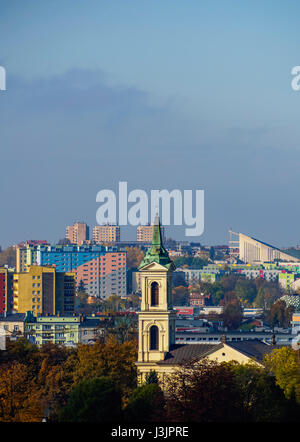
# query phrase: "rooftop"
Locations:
[[12, 317], [180, 354]]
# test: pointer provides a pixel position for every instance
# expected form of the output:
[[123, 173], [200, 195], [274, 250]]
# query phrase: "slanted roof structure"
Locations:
[[179, 354]]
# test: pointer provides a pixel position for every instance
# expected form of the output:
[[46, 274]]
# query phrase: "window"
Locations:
[[154, 294], [154, 337]]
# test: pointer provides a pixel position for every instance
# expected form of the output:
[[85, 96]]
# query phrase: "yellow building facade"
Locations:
[[43, 291]]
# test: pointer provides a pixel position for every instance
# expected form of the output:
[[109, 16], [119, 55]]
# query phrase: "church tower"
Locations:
[[157, 317]]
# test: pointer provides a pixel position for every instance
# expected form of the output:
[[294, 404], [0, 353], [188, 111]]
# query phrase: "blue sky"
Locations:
[[162, 94]]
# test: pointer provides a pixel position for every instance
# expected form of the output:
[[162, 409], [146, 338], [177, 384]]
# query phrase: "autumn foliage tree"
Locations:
[[19, 394], [35, 381], [284, 363], [232, 314], [111, 359], [134, 256], [279, 314], [202, 391]]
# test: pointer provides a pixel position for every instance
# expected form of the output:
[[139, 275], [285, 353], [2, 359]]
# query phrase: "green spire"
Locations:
[[156, 253]]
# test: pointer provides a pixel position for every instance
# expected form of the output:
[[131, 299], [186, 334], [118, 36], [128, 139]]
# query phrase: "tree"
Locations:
[[55, 377], [146, 404], [268, 292], [260, 301], [19, 397], [279, 315], [232, 315], [124, 328], [134, 256], [261, 400], [180, 295], [93, 400], [24, 352], [284, 364], [151, 377], [108, 359], [202, 391], [81, 287], [190, 262], [212, 253], [245, 290], [134, 301], [217, 292], [228, 282]]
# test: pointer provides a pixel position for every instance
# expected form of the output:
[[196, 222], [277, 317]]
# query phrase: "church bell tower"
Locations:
[[157, 317]]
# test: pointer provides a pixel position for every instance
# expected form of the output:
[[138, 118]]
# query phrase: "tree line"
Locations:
[[98, 383]]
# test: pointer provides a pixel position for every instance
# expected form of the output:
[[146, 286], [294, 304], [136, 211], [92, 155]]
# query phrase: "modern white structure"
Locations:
[[252, 251]]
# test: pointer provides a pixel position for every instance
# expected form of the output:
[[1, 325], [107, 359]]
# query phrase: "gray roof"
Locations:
[[91, 323], [184, 353], [253, 349], [12, 317]]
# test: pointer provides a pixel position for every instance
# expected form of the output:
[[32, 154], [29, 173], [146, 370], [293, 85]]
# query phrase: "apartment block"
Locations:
[[62, 330], [100, 268], [145, 233], [78, 233], [26, 254], [106, 233], [43, 290]]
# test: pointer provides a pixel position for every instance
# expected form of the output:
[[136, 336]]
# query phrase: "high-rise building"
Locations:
[[26, 254], [78, 233], [6, 289], [100, 268], [106, 233], [145, 233], [44, 291]]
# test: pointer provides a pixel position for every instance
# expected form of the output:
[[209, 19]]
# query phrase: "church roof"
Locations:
[[157, 253], [188, 352], [253, 349]]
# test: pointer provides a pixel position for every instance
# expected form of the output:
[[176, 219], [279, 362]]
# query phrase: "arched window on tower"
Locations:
[[154, 294], [154, 337]]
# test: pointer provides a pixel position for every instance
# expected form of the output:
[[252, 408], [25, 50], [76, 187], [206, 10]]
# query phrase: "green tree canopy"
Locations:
[[284, 363], [146, 404], [93, 400]]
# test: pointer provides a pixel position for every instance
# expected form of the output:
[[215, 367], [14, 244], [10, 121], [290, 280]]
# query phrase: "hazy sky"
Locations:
[[161, 94]]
